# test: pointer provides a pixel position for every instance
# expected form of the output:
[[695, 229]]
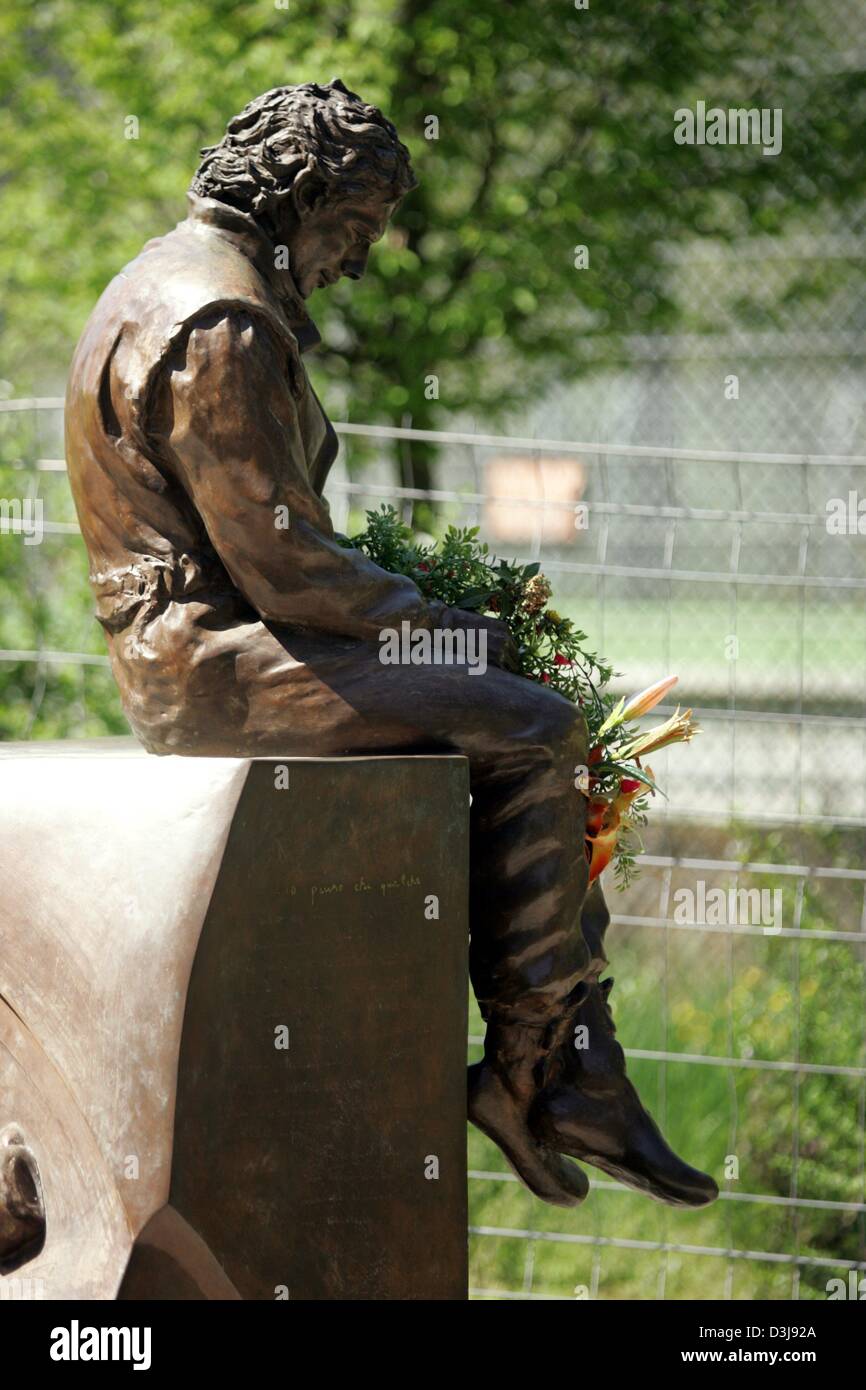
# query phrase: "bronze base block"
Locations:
[[232, 1025]]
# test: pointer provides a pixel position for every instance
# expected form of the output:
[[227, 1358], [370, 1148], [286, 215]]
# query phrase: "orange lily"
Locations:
[[680, 728], [639, 704], [603, 824]]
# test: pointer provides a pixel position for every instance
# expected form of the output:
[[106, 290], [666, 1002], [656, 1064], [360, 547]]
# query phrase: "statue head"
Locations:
[[319, 170]]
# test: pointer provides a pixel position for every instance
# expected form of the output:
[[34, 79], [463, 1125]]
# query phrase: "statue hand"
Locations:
[[501, 650]]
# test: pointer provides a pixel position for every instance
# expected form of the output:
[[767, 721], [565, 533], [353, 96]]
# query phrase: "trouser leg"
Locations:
[[523, 743], [529, 878], [537, 939]]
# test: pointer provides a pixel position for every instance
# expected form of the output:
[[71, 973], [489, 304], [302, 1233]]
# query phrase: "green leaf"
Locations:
[[474, 598]]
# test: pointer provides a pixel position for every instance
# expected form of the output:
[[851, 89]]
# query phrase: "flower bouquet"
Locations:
[[461, 572]]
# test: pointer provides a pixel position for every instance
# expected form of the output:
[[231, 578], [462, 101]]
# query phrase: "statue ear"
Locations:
[[308, 193]]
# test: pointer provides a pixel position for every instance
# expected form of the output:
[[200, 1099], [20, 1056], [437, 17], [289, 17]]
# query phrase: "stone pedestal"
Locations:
[[233, 1022]]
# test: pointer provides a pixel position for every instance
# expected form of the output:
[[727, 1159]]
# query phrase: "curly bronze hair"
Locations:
[[350, 146]]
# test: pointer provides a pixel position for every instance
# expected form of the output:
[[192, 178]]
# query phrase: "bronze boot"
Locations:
[[22, 1217], [589, 1110], [502, 1089]]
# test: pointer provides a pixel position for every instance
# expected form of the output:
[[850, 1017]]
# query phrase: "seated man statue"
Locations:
[[192, 434]]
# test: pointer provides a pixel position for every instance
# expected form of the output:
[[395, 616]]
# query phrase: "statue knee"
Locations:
[[565, 732]]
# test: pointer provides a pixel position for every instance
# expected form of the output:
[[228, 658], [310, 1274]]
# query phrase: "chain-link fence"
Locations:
[[740, 948], [743, 939]]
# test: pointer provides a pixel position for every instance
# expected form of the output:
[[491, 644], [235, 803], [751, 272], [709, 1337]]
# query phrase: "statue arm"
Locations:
[[230, 428]]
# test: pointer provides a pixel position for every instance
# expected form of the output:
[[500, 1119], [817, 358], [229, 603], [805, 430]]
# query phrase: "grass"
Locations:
[[778, 642], [746, 997]]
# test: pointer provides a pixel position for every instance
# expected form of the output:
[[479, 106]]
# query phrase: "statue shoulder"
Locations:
[[151, 305], [179, 277]]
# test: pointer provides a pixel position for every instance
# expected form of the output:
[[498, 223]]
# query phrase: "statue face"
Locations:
[[334, 239]]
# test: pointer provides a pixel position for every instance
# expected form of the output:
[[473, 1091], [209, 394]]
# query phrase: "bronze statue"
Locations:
[[238, 625]]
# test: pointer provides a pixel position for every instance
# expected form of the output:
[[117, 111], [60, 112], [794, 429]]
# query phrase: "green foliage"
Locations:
[[47, 605], [461, 572], [768, 998], [554, 130]]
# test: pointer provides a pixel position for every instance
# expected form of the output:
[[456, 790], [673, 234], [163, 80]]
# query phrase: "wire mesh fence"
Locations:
[[739, 950]]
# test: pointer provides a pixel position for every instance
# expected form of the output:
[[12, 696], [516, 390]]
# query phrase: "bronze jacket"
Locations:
[[198, 450]]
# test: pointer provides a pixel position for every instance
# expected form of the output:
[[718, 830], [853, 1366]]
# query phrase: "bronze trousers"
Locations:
[[258, 689]]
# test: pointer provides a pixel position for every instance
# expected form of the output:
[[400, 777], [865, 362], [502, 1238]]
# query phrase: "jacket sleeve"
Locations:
[[229, 423]]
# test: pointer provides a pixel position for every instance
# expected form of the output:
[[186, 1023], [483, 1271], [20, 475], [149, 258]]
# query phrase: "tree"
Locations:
[[536, 130]]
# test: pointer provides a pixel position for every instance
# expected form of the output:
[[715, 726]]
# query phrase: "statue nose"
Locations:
[[355, 262]]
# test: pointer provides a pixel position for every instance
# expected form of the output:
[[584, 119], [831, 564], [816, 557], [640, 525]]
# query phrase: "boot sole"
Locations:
[[644, 1186]]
